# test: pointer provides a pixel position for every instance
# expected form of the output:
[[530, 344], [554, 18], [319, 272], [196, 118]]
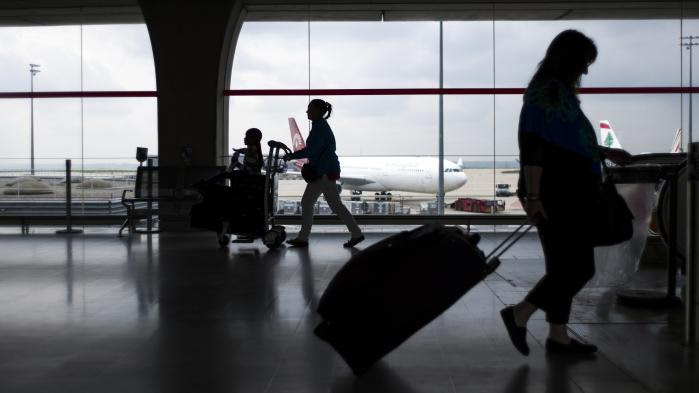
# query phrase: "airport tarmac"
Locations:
[[481, 184]]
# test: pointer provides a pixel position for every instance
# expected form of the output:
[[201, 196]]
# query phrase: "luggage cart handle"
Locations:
[[273, 158]]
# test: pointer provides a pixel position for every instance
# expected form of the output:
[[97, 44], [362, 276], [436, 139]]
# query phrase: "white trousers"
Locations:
[[329, 190]]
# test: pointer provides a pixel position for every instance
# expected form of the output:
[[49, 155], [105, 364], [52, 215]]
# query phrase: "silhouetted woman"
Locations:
[[320, 151], [559, 181]]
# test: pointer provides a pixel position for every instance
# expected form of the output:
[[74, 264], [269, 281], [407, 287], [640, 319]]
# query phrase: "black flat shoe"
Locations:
[[297, 243], [518, 335], [354, 241], [575, 347]]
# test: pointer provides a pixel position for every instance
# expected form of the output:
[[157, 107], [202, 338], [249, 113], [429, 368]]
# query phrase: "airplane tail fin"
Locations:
[[460, 163], [297, 142], [609, 138], [677, 142]]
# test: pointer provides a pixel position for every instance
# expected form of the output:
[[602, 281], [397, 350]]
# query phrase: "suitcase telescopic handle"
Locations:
[[493, 258], [509, 241]]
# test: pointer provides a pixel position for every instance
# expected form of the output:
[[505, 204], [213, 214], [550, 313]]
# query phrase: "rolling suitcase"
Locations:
[[390, 290]]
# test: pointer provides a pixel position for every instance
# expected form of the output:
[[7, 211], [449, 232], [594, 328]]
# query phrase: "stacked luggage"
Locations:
[[240, 206]]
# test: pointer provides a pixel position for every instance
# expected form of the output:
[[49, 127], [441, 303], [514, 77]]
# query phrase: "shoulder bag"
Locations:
[[613, 218]]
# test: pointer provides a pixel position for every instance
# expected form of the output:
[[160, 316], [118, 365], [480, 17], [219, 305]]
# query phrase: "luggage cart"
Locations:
[[246, 207]]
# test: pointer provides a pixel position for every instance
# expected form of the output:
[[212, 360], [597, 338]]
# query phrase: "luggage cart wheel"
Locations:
[[223, 240], [274, 237], [281, 231]]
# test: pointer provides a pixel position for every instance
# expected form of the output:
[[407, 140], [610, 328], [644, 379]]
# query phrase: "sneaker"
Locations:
[[518, 334], [297, 243], [575, 347], [354, 241]]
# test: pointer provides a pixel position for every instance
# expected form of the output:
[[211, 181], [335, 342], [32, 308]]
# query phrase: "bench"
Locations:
[[157, 184]]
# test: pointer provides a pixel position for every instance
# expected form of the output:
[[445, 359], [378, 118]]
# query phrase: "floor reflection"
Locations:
[[176, 313], [558, 371], [69, 269], [381, 379], [307, 283], [518, 381], [141, 269], [194, 350]]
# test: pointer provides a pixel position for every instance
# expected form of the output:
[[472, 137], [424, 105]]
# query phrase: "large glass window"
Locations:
[[480, 121], [99, 135]]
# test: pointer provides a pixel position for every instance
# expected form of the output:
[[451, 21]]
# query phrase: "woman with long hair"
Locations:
[[560, 178], [320, 152]]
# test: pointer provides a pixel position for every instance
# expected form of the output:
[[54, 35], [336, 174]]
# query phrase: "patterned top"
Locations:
[[552, 113], [556, 135]]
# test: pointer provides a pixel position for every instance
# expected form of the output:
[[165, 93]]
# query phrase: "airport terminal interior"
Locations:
[[126, 268]]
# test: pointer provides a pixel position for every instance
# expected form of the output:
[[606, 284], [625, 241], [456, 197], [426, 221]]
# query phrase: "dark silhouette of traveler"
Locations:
[[320, 151], [559, 181], [252, 161]]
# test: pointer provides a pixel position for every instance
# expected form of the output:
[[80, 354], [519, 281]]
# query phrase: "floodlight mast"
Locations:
[[33, 70]]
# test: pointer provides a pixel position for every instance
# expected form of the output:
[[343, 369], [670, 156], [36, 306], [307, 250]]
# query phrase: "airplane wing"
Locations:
[[348, 181], [355, 181], [345, 180]]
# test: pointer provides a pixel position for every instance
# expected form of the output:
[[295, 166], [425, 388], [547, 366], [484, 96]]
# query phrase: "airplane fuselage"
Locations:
[[410, 174]]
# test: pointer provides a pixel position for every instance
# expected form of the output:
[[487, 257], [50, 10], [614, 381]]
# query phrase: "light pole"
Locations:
[[33, 70]]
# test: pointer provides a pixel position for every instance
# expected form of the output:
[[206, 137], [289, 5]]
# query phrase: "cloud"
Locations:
[[360, 54]]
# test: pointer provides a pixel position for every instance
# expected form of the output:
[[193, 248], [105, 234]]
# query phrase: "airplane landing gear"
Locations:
[[382, 196], [355, 195]]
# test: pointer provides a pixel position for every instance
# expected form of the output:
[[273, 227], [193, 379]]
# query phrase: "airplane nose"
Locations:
[[455, 181], [462, 179]]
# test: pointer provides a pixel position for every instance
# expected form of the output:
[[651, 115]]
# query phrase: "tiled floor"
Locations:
[[175, 313]]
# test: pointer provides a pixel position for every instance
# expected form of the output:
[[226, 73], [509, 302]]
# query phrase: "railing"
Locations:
[[97, 200]]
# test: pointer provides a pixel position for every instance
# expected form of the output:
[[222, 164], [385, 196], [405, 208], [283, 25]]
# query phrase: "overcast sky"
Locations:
[[342, 55]]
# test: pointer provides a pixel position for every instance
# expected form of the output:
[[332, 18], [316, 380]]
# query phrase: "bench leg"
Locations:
[[126, 222]]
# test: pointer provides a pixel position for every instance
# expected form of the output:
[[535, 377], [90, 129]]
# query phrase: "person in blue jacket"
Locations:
[[320, 152]]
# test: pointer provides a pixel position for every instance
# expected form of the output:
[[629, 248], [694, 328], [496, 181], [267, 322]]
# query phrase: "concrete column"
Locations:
[[193, 45]]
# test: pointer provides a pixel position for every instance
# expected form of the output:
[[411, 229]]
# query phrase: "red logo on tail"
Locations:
[[297, 142]]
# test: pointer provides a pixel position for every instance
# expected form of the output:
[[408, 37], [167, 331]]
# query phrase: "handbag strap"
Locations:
[[605, 167]]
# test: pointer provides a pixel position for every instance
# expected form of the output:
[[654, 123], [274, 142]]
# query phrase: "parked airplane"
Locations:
[[382, 174], [609, 138], [677, 142]]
